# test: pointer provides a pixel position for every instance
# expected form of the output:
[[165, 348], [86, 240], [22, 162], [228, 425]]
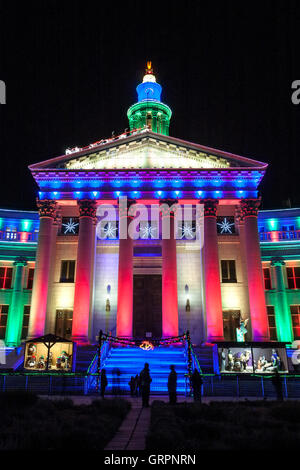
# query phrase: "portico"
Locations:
[[87, 267]]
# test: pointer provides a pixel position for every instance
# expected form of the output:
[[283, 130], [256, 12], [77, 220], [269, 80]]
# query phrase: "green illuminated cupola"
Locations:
[[149, 110]]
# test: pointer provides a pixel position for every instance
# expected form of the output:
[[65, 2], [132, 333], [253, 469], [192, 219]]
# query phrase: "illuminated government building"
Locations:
[[64, 272]]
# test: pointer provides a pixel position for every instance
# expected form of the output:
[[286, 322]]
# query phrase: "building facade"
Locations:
[[69, 269]]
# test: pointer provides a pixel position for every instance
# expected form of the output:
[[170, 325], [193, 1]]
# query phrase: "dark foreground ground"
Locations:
[[255, 425], [30, 423]]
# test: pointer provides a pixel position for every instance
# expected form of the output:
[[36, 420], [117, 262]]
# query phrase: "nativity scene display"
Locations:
[[49, 353], [256, 360]]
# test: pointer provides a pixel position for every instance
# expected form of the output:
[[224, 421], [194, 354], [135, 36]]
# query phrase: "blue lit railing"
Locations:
[[277, 235], [92, 372]]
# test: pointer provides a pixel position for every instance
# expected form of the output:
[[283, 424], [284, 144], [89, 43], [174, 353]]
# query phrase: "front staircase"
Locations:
[[124, 362], [84, 357]]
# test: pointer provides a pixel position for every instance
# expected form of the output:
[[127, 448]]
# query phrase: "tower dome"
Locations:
[[149, 110]]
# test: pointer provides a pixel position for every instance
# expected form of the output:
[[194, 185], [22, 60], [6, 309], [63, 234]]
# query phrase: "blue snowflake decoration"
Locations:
[[188, 230], [148, 231], [109, 230], [225, 225], [70, 226]]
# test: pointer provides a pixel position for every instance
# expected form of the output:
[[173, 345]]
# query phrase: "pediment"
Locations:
[[147, 151]]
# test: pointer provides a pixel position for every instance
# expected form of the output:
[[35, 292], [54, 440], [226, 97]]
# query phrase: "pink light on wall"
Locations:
[[83, 281], [125, 287], [169, 284], [24, 237]]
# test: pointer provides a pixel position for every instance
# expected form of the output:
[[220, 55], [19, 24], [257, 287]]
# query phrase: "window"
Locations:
[[5, 277], [267, 278], [67, 271], [228, 271], [288, 228], [10, 235], [293, 277], [30, 278], [25, 321], [295, 313], [272, 322], [287, 232], [3, 320]]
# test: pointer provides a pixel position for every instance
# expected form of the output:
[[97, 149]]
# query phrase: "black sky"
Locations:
[[226, 68]]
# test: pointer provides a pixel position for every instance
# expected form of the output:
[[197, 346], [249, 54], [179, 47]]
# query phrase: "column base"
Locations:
[[81, 340], [12, 345], [261, 339], [215, 339]]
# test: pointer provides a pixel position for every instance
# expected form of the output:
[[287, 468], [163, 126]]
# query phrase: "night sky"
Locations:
[[226, 68]]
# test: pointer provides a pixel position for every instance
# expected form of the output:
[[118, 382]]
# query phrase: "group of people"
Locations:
[[140, 385]]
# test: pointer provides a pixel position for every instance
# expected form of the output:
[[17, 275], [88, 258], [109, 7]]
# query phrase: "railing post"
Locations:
[[237, 386], [285, 387], [4, 382], [50, 385], [26, 382], [188, 338], [262, 386], [99, 360]]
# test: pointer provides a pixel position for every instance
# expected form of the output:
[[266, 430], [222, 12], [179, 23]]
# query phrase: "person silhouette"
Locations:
[[277, 382], [197, 382], [145, 381], [172, 385], [103, 382]]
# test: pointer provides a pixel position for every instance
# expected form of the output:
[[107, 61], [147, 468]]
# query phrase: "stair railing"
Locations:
[[193, 363]]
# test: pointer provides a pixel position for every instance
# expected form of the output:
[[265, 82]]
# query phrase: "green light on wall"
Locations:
[[273, 224], [1, 223], [26, 225]]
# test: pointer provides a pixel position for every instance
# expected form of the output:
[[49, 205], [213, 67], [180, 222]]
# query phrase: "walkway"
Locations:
[[132, 433]]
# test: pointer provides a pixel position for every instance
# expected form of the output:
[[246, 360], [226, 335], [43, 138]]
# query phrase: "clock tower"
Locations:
[[149, 110]]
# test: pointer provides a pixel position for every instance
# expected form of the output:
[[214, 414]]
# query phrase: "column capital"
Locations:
[[210, 207], [87, 208], [20, 261], [125, 205], [165, 212], [277, 261], [46, 208], [250, 207]]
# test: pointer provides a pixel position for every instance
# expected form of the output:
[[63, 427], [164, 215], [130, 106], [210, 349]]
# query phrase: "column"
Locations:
[[39, 297], [125, 272], [169, 272], [282, 309], [84, 268], [213, 299], [257, 302], [16, 309]]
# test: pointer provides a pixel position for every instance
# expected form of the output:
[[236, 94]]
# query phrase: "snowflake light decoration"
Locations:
[[187, 231], [109, 230], [148, 231], [70, 227], [225, 226]]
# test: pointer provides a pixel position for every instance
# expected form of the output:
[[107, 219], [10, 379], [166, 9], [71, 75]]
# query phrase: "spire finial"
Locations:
[[149, 77], [149, 68]]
